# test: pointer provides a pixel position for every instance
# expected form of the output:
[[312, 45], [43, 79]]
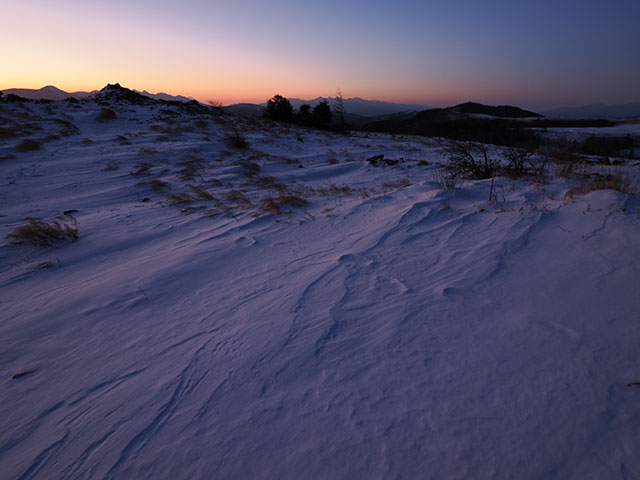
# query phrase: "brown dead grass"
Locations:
[[273, 205], [190, 167], [106, 114], [28, 145], [142, 168], [42, 234], [237, 197], [155, 184], [616, 180]]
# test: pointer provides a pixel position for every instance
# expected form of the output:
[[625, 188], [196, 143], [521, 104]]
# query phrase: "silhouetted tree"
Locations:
[[279, 108], [338, 106], [304, 117], [321, 115]]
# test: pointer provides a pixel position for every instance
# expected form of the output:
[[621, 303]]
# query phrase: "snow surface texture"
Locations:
[[387, 329]]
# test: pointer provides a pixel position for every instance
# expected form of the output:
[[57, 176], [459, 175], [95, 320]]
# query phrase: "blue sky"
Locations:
[[535, 54]]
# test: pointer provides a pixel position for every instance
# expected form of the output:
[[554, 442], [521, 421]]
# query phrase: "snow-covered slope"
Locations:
[[385, 329]]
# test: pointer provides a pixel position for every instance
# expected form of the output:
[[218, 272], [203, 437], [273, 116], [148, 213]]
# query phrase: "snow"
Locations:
[[384, 330], [580, 133]]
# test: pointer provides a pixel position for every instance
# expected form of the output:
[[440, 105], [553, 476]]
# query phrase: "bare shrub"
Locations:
[[42, 234], [28, 145], [236, 140], [567, 170], [463, 161], [539, 176], [517, 158], [106, 114], [446, 181]]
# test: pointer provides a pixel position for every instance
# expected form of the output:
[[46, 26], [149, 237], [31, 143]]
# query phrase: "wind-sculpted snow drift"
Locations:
[[388, 329]]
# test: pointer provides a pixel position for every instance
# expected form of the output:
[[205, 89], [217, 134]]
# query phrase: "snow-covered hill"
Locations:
[[293, 310]]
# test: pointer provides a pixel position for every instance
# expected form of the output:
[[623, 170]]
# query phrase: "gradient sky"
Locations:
[[535, 54]]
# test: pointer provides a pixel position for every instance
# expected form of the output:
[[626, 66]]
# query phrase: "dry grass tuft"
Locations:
[[106, 114], [618, 181], [292, 200], [237, 197], [142, 168], [446, 182], [155, 184], [42, 234], [148, 150], [112, 165], [200, 123], [200, 193], [190, 167], [236, 140], [269, 205], [272, 205], [28, 145], [250, 168], [178, 198], [402, 183]]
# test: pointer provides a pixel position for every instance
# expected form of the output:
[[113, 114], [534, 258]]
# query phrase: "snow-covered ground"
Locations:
[[386, 329], [580, 133]]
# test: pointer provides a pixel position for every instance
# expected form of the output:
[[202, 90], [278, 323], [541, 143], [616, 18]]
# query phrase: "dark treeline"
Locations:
[[320, 116]]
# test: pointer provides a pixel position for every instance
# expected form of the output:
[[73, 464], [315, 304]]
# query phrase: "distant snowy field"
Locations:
[[385, 329], [581, 133]]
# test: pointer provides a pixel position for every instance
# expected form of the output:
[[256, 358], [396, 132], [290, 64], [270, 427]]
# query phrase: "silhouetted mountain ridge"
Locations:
[[499, 125], [502, 111], [51, 92]]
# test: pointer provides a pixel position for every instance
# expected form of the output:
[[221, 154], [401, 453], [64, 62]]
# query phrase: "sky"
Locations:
[[537, 55]]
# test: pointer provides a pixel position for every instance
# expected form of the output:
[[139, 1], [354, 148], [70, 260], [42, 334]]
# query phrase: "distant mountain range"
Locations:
[[53, 93], [45, 93], [358, 108], [599, 110]]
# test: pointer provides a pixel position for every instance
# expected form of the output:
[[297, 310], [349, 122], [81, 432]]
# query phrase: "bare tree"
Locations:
[[338, 108]]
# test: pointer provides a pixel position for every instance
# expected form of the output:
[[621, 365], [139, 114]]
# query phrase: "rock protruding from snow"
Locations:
[[116, 93]]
